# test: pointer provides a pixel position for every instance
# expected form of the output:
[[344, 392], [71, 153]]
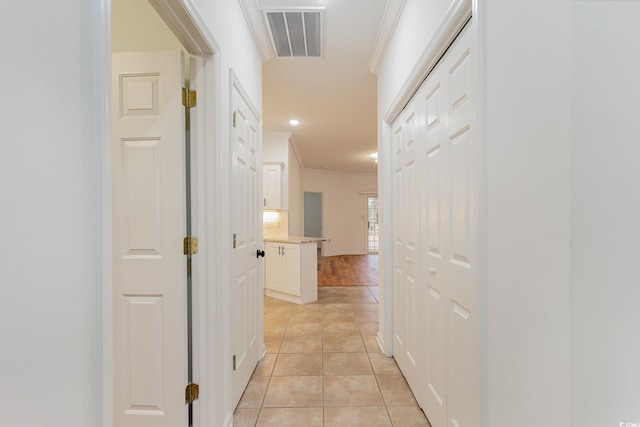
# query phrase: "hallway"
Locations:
[[324, 367]]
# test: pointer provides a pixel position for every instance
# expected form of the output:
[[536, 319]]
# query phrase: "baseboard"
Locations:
[[380, 342], [228, 422]]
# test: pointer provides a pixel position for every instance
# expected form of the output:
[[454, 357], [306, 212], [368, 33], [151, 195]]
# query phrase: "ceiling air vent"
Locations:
[[296, 33]]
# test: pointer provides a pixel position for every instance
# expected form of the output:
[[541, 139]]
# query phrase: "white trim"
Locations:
[[392, 12], [258, 29], [203, 137], [218, 171], [385, 248], [454, 20], [102, 96], [480, 25], [183, 19], [228, 422], [380, 342], [296, 152]]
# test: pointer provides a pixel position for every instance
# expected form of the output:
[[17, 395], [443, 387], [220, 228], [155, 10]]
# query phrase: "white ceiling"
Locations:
[[334, 97]]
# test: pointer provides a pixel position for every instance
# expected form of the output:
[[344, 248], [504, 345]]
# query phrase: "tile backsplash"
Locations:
[[275, 224]]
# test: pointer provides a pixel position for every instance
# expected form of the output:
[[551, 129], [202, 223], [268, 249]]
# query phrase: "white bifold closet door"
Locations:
[[435, 240]]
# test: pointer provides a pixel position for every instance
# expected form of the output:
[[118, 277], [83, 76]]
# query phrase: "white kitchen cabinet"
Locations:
[[291, 271], [273, 190]]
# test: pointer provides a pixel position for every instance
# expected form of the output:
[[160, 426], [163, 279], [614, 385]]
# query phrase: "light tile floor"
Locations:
[[324, 368]]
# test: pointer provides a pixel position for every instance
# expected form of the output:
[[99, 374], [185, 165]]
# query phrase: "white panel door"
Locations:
[[462, 236], [149, 204], [434, 152], [246, 223], [408, 324]]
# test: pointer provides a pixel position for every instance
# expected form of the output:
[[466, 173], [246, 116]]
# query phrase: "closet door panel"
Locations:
[[408, 312], [462, 216], [433, 193]]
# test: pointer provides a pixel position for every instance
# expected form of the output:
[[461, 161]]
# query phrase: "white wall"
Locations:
[[229, 28], [275, 147], [137, 27], [416, 26], [605, 210], [296, 195], [50, 229], [344, 207], [526, 347]]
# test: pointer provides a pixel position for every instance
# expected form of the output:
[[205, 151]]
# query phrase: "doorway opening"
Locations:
[[152, 281], [313, 215], [157, 48]]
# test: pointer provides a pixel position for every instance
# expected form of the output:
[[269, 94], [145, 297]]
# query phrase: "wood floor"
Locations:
[[348, 270]]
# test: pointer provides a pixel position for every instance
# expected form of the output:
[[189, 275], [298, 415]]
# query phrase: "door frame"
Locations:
[[208, 194]]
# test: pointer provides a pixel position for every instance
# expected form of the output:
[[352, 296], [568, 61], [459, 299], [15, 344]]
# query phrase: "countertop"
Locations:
[[296, 240]]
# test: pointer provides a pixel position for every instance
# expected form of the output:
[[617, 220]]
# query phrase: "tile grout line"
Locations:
[[325, 309], [274, 366]]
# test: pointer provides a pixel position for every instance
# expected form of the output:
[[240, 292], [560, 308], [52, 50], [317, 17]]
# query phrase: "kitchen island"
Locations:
[[291, 268]]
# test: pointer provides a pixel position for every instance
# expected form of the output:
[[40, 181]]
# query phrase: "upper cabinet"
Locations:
[[273, 186], [284, 184]]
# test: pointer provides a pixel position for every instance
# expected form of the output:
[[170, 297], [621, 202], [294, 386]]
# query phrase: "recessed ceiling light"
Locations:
[[294, 122]]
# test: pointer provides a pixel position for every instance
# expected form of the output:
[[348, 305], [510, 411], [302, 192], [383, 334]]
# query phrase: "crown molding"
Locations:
[[296, 152], [454, 21], [387, 27], [257, 28]]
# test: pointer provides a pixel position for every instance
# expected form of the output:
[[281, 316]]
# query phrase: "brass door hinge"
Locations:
[[190, 245], [191, 393], [234, 362], [189, 98], [234, 240], [234, 119]]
